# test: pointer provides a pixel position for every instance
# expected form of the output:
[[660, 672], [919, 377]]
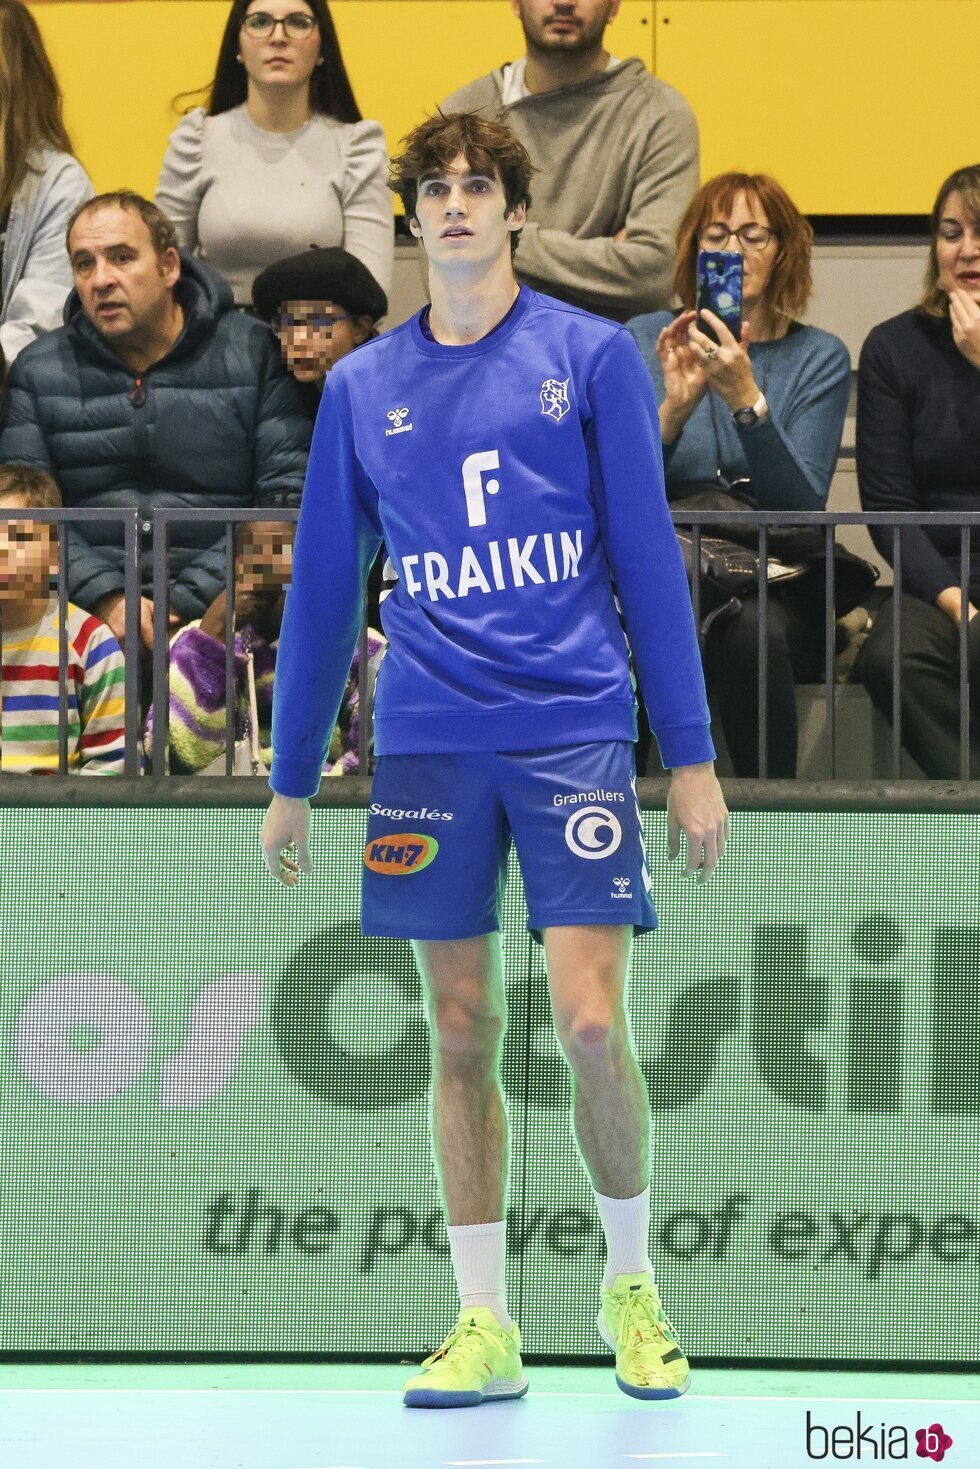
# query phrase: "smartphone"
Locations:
[[720, 290]]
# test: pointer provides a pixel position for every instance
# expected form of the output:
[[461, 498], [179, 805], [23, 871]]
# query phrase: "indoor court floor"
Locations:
[[312, 1416]]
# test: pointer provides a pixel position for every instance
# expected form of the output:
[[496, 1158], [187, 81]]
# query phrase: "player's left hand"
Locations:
[[726, 365], [964, 318], [696, 806]]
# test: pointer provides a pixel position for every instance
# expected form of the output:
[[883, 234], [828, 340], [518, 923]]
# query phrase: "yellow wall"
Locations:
[[854, 104]]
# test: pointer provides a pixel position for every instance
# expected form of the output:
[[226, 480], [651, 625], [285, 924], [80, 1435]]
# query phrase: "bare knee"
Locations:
[[467, 1029], [592, 1032]]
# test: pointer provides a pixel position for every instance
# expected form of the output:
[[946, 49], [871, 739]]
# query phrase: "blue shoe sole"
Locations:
[[658, 1393], [427, 1397]]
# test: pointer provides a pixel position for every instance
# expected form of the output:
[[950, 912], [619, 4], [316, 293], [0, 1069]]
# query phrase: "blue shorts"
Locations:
[[440, 828]]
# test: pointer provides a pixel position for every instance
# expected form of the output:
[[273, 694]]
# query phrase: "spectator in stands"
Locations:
[[41, 185], [616, 154], [263, 565], [918, 449], [281, 158], [321, 304], [765, 413], [155, 393], [29, 631]]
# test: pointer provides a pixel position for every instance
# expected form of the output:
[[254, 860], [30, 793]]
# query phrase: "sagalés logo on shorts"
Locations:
[[400, 854]]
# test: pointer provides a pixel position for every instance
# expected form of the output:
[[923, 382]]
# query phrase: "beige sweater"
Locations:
[[618, 149], [243, 198]]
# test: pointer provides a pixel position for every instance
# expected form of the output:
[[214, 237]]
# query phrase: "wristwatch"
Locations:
[[749, 417]]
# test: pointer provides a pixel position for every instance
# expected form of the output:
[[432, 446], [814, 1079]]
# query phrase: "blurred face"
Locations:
[[124, 286], [313, 335], [265, 561], [958, 248], [277, 45], [28, 556], [758, 258], [460, 217], [564, 26]]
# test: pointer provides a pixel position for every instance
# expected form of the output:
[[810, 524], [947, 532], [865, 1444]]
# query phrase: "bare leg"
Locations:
[[466, 1009], [587, 968]]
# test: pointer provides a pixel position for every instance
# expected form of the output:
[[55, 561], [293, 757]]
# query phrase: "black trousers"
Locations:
[[795, 641], [930, 683]]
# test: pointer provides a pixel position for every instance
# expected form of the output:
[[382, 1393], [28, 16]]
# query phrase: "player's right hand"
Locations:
[[286, 838]]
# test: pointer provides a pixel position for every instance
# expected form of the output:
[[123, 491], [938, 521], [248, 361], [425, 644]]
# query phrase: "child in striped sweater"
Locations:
[[29, 700]]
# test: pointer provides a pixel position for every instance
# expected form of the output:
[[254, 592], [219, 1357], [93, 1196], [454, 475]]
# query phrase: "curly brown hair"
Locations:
[[790, 283], [966, 183], [489, 146]]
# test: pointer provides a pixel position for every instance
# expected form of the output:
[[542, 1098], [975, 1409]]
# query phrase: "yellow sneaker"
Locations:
[[649, 1361], [478, 1362]]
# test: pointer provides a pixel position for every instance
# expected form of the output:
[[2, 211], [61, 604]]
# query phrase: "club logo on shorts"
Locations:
[[554, 398], [401, 854], [593, 832]]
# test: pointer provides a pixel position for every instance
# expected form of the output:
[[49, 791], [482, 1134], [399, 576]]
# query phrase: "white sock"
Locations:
[[479, 1253], [626, 1225]]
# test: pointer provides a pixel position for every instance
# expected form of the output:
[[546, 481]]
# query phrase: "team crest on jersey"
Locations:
[[554, 399]]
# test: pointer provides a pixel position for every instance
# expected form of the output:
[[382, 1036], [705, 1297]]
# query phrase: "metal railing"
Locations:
[[828, 521], [699, 522]]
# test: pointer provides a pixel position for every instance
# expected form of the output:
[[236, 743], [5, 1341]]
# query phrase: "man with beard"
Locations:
[[616, 157]]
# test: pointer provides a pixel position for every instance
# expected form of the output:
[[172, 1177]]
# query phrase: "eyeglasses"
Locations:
[[260, 24], [319, 321], [715, 236]]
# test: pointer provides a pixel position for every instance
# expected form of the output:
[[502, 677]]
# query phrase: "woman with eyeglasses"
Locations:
[[41, 185], [281, 159], [762, 415]]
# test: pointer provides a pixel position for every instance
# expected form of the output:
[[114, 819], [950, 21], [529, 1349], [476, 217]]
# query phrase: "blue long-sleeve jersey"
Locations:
[[517, 484]]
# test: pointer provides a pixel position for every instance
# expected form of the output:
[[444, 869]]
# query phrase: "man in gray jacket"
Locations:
[[155, 392], [616, 154]]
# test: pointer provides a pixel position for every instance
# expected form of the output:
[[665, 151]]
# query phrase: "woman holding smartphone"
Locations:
[[281, 159], [918, 449], [762, 413]]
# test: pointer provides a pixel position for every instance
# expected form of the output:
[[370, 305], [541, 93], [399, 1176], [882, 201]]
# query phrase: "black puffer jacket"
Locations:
[[217, 422]]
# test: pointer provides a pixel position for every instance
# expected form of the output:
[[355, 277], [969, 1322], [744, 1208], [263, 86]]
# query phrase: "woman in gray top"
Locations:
[[41, 185], [766, 413], [281, 159]]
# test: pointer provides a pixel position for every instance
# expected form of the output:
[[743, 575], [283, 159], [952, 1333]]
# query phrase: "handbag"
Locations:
[[795, 552]]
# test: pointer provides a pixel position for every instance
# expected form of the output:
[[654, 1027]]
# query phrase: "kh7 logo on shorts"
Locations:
[[401, 854], [593, 832]]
